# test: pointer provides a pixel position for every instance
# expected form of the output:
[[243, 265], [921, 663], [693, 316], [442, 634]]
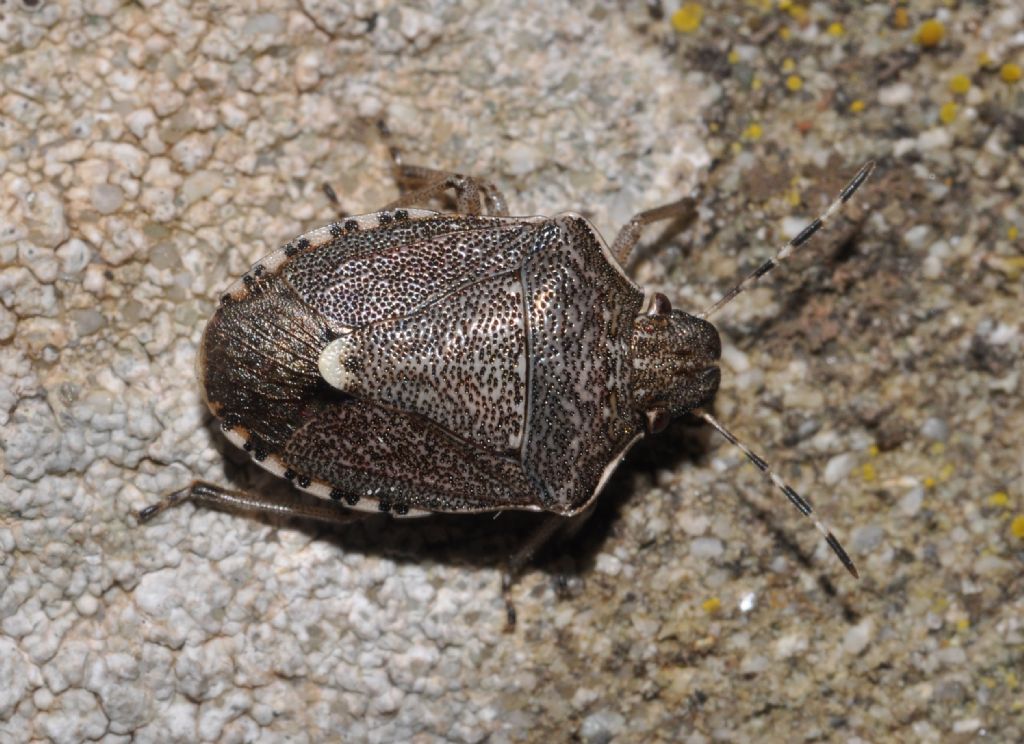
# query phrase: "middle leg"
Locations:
[[629, 235]]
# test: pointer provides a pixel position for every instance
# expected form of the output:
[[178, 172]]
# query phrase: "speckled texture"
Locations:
[[151, 151]]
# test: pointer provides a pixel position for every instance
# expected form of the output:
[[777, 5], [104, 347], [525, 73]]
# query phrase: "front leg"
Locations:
[[420, 185]]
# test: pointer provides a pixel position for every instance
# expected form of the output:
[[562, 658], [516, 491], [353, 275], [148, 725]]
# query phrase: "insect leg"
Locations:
[[285, 504], [332, 197], [518, 560], [420, 185], [629, 235]]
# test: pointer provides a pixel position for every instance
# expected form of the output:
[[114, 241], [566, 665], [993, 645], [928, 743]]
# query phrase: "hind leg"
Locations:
[[283, 504]]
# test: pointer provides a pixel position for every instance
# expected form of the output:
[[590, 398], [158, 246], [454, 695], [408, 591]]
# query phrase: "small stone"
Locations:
[[106, 198], [838, 467], [14, 671], [199, 185], [790, 645], [915, 236], [601, 727], [104, 8], [8, 323], [307, 70], [858, 637], [87, 321], [934, 429], [754, 664], [706, 547], [139, 121], [938, 138], [191, 151], [911, 502], [967, 725], [867, 538], [521, 159], [737, 360], [74, 256], [896, 95], [608, 564]]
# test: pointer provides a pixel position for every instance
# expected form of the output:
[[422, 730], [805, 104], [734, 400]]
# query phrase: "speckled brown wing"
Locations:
[[389, 459], [433, 300], [477, 363]]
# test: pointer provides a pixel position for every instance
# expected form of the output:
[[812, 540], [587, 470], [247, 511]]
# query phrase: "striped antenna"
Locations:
[[804, 235], [796, 499]]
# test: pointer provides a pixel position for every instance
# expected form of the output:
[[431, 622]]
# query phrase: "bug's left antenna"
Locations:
[[796, 499], [804, 235]]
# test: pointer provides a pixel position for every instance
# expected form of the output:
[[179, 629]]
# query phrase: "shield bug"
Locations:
[[413, 362]]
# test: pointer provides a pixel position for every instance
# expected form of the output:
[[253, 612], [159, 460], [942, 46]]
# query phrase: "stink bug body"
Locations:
[[411, 361]]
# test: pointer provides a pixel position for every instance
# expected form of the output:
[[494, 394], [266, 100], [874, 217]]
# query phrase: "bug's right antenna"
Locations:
[[785, 251], [796, 499]]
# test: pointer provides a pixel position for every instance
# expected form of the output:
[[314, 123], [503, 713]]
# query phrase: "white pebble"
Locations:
[[737, 361], [937, 138], [307, 70], [790, 645], [896, 95], [521, 159], [934, 429], [858, 637], [911, 502], [106, 198], [915, 236], [839, 467], [706, 547]]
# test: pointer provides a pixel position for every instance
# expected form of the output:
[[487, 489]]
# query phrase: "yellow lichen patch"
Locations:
[[936, 448], [784, 33], [1012, 232], [1017, 526], [756, 84], [714, 604], [733, 57], [753, 132], [946, 472], [962, 625], [857, 106], [959, 84], [929, 482], [687, 19], [999, 498], [1010, 73], [930, 33], [868, 472], [794, 83], [948, 112], [873, 450], [1011, 680], [836, 29], [900, 18], [788, 64], [793, 197], [1012, 266], [797, 12]]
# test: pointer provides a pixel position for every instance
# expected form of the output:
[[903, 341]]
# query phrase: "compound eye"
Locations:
[[660, 305], [657, 420]]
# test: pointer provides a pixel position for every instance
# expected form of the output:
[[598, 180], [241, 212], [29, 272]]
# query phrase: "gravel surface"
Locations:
[[150, 152]]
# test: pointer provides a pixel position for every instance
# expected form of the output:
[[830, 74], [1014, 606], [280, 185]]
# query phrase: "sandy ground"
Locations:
[[151, 152]]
